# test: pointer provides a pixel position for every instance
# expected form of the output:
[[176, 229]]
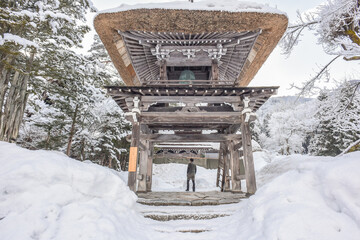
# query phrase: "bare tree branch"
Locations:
[[348, 148], [311, 83], [356, 86]]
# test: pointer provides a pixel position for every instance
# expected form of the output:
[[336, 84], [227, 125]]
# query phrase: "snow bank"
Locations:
[[46, 195], [207, 5], [304, 198]]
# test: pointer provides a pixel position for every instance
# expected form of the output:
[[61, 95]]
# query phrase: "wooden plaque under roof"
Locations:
[[140, 40]]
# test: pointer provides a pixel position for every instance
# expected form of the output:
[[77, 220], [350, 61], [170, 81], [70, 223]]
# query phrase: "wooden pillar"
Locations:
[[149, 167], [220, 165], [235, 168], [163, 72], [248, 156], [226, 168], [214, 72], [242, 166], [133, 156], [143, 165]]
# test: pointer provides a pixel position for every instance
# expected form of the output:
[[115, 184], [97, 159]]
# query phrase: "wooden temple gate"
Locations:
[[187, 74], [224, 109]]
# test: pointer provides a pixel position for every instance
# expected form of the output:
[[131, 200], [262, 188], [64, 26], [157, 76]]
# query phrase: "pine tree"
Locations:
[[69, 111], [285, 125], [338, 119], [30, 30]]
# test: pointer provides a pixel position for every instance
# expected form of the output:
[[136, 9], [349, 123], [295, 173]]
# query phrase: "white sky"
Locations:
[[278, 70]]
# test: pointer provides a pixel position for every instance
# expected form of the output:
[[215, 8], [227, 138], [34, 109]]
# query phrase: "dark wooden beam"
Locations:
[[192, 99], [163, 73], [190, 137], [190, 118], [214, 71]]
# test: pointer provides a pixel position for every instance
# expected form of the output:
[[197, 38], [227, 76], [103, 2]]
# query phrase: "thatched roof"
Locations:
[[271, 26]]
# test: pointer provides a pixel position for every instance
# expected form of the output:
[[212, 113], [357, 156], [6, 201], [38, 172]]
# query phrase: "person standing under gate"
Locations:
[[191, 171]]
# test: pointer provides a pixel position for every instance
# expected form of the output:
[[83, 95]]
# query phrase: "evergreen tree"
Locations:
[[285, 125], [31, 30], [338, 120], [69, 111]]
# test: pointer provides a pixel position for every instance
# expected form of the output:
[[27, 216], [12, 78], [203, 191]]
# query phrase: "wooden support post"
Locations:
[[214, 72], [163, 72], [235, 168], [220, 166], [143, 165], [226, 169], [242, 166], [133, 156], [149, 167], [248, 156]]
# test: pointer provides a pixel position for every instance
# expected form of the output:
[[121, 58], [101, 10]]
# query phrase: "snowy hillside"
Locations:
[[46, 195]]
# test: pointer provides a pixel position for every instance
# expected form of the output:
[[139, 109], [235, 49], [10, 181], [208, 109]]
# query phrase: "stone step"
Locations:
[[189, 198], [185, 216], [185, 227], [187, 231], [194, 231]]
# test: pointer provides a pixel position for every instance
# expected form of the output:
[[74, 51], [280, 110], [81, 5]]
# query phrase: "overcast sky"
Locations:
[[278, 69]]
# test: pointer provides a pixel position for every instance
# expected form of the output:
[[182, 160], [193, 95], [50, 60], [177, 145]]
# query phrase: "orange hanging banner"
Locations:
[[133, 159]]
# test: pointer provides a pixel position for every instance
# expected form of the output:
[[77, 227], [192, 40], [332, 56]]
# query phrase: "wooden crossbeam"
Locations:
[[190, 137], [192, 99], [191, 117]]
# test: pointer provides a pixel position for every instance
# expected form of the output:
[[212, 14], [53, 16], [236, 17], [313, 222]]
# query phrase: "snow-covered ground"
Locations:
[[45, 195], [172, 178]]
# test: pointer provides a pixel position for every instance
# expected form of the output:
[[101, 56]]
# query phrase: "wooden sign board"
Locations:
[[133, 159]]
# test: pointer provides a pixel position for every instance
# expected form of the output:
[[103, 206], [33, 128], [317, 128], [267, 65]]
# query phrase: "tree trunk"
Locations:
[[21, 104], [110, 161], [82, 150], [11, 117], [47, 146], [9, 107], [72, 131], [4, 80]]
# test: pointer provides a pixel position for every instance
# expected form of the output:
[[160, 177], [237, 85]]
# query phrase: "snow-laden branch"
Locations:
[[337, 25], [8, 37], [308, 86], [348, 148]]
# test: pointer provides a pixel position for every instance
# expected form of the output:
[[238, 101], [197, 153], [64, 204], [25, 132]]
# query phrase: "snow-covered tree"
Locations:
[[284, 125], [30, 30], [338, 120], [336, 23], [69, 111]]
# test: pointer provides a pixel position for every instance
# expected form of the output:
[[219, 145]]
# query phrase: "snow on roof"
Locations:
[[207, 5]]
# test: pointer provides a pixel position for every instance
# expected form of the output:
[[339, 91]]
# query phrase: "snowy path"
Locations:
[[188, 222]]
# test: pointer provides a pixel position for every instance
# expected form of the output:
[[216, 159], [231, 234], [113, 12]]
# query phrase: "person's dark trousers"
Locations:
[[188, 183]]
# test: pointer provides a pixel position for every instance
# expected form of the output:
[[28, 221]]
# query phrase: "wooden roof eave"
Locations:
[[272, 25]]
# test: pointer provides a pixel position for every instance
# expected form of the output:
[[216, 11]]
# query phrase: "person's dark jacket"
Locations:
[[191, 169]]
